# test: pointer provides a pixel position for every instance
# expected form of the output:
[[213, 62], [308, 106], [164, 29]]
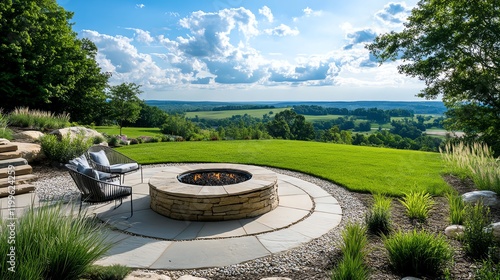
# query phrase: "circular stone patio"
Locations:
[[150, 240]]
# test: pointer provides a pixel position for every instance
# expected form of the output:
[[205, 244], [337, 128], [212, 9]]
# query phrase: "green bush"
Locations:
[[36, 119], [418, 253], [50, 244], [113, 272], [378, 218], [418, 205], [457, 209], [4, 122], [65, 149], [478, 238], [489, 270], [353, 248]]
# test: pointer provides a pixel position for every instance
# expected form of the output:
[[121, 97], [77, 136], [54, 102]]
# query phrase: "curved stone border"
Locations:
[[177, 200]]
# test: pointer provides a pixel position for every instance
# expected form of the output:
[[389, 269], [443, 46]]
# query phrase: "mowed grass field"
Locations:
[[357, 168], [131, 132]]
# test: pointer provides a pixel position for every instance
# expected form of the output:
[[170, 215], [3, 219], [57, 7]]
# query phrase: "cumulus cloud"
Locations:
[[140, 6], [308, 12], [266, 11], [360, 36], [142, 35], [282, 30], [393, 14]]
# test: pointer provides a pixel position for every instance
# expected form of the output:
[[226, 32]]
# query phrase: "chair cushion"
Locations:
[[80, 160], [100, 157], [123, 167], [88, 171]]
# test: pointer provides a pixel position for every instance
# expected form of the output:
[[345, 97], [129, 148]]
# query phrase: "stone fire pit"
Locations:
[[174, 199]]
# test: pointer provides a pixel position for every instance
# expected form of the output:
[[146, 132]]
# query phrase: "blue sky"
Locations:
[[235, 50]]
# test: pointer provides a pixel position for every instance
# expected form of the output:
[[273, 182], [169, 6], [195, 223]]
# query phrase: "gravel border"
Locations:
[[313, 260]]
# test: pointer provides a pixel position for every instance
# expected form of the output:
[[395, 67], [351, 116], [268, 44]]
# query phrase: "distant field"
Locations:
[[215, 115], [358, 168]]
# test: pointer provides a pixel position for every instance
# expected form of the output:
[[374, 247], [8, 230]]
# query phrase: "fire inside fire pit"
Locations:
[[214, 178]]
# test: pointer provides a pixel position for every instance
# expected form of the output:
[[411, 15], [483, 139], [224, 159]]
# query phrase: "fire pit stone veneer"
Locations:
[[177, 200]]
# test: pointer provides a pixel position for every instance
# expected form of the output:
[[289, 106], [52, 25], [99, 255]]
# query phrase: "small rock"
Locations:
[[4, 141], [32, 135], [411, 278], [489, 198], [189, 277], [495, 227], [141, 275], [454, 231]]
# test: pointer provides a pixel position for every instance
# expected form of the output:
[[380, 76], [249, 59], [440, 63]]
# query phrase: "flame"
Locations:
[[196, 177]]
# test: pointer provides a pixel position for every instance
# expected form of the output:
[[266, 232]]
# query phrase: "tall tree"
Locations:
[[44, 65], [289, 125], [454, 47], [124, 103]]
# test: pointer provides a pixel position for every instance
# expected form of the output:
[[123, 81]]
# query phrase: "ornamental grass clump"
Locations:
[[378, 218], [457, 209], [4, 122], [418, 205], [418, 253], [475, 161], [478, 237], [49, 243], [353, 249], [37, 119]]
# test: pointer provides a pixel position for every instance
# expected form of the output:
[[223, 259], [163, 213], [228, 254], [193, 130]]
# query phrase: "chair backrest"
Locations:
[[112, 155], [88, 186]]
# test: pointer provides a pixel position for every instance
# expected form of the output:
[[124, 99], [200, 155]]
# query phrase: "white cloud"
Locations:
[[140, 6], [282, 30], [266, 11], [173, 14], [393, 14], [308, 12], [142, 36]]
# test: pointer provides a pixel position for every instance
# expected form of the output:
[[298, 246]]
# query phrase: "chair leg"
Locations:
[[131, 207], [142, 180]]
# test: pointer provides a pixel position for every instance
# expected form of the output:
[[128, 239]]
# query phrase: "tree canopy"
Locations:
[[44, 65], [454, 47], [124, 103]]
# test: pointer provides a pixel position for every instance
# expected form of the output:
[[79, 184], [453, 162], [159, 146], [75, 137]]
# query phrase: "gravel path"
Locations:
[[313, 260]]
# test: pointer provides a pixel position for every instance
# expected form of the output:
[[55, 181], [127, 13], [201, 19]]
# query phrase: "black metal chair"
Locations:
[[94, 191], [108, 160]]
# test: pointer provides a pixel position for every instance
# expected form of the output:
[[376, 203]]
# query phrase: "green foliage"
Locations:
[[418, 205], [45, 65], [290, 125], [353, 248], [37, 119], [4, 131], [50, 244], [64, 149], [149, 116], [440, 45], [478, 237], [378, 170], [124, 103], [418, 253], [475, 161], [489, 270], [179, 125], [113, 272], [378, 218], [457, 209]]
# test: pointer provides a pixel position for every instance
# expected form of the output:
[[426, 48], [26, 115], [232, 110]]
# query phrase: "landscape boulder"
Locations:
[[489, 198], [454, 231], [30, 135], [4, 141], [75, 131], [142, 275], [495, 227]]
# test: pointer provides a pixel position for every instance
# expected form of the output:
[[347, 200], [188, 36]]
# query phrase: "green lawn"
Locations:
[[364, 169], [131, 132]]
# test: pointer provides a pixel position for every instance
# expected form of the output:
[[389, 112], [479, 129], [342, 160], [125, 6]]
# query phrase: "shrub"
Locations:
[[99, 139], [114, 141], [353, 250], [378, 218], [133, 141], [477, 236], [457, 209], [489, 270], [36, 119], [65, 149], [113, 272], [418, 205], [418, 253], [52, 245], [4, 122]]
